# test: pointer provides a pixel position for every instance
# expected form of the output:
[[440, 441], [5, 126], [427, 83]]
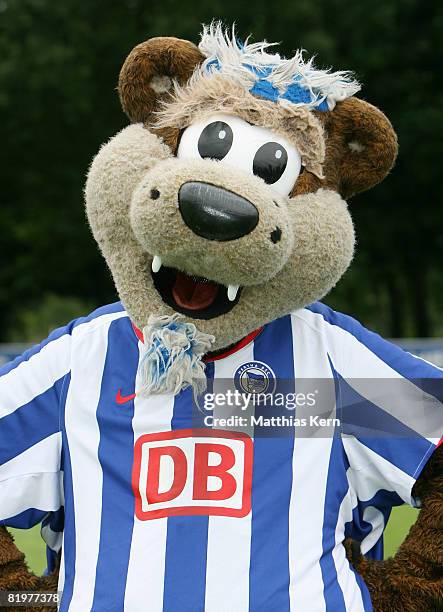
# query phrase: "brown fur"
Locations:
[[348, 171], [412, 581], [161, 56], [15, 575], [355, 121]]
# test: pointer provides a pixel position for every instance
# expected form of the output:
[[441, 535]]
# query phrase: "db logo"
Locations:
[[192, 471]]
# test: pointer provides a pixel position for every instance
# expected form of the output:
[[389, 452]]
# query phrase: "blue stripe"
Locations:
[[69, 551], [209, 372], [31, 423], [58, 333], [366, 597], [272, 481], [55, 520], [336, 489], [381, 432], [359, 529], [187, 536], [116, 454], [26, 519], [424, 375], [51, 561]]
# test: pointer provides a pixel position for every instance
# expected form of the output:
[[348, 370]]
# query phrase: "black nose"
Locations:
[[216, 213]]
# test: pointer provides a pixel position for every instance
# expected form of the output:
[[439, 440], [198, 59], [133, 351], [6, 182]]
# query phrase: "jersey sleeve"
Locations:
[[390, 404], [31, 388]]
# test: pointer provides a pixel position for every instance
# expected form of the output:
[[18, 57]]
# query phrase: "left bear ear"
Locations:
[[149, 70], [361, 146]]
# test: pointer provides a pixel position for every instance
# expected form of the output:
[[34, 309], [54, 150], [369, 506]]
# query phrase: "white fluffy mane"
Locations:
[[225, 54]]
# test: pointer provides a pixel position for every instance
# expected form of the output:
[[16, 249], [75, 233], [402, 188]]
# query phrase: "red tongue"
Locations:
[[192, 294]]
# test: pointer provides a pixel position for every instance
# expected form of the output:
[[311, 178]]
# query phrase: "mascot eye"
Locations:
[[270, 162], [245, 147], [215, 141]]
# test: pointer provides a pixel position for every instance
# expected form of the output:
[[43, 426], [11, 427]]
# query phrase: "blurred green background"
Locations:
[[59, 63]]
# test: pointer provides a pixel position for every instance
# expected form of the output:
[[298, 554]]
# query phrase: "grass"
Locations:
[[398, 526], [30, 542]]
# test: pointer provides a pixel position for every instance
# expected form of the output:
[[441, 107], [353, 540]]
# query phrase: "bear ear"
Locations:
[[148, 73], [361, 146]]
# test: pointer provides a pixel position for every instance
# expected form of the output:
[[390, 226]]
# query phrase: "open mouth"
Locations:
[[194, 296]]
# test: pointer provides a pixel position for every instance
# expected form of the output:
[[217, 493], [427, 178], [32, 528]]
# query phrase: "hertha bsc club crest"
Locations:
[[254, 377]]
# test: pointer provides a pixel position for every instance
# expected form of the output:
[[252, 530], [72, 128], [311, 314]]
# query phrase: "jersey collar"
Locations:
[[233, 349]]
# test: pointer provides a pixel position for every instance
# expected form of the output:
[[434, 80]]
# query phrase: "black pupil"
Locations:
[[270, 162], [215, 141]]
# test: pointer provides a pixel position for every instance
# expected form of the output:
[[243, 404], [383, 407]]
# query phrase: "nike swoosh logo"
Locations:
[[123, 399]]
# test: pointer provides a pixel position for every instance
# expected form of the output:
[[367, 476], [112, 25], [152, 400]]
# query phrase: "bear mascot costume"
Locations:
[[131, 435]]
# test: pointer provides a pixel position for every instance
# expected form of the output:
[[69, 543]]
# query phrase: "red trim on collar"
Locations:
[[138, 332], [246, 340], [242, 343]]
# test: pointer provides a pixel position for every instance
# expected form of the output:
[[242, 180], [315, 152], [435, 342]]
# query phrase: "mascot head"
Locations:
[[223, 205]]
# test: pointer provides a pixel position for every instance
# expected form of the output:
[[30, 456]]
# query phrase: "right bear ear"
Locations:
[[148, 73], [361, 146]]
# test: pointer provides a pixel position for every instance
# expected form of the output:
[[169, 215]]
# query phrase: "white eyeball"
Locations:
[[254, 149]]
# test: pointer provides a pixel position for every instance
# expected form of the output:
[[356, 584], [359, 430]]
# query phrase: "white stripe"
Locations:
[[41, 457], [52, 538], [40, 490], [394, 393], [371, 472], [148, 545], [310, 471], [229, 539], [377, 520], [311, 457], [83, 435], [34, 376], [346, 578], [306, 512]]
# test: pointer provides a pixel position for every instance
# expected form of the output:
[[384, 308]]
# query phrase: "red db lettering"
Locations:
[[202, 472], [153, 481]]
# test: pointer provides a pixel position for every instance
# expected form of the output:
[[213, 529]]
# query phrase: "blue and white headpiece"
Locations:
[[270, 76]]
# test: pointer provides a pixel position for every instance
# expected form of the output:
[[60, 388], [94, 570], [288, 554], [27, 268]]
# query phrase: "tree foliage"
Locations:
[[59, 63]]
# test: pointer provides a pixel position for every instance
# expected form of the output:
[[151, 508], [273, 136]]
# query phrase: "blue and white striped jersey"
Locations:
[[127, 487]]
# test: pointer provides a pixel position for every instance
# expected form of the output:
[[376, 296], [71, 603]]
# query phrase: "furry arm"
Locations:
[[412, 580], [15, 575]]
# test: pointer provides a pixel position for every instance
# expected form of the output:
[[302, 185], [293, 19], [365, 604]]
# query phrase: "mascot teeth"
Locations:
[[232, 292], [156, 264]]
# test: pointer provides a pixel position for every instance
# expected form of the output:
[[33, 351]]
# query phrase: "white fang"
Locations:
[[156, 264], [232, 292]]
